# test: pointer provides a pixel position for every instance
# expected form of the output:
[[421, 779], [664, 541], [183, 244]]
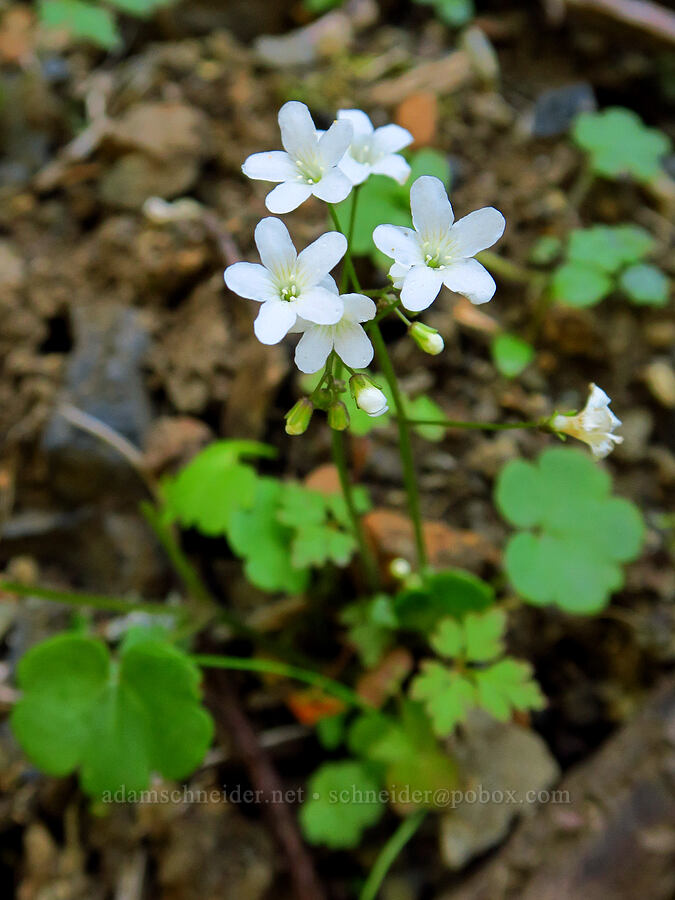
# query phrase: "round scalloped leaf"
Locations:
[[452, 592], [619, 143], [609, 248], [118, 721], [338, 809], [582, 532], [579, 285], [645, 285], [511, 354]]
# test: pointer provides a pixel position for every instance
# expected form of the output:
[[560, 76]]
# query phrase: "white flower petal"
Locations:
[[420, 287], [359, 121], [317, 260], [275, 246], [319, 306], [394, 166], [287, 196], [477, 231], [358, 308], [334, 187], [356, 172], [397, 273], [353, 346], [298, 133], [468, 277], [333, 143], [431, 210], [329, 283], [401, 244], [249, 280], [391, 139], [274, 165], [274, 320], [313, 348]]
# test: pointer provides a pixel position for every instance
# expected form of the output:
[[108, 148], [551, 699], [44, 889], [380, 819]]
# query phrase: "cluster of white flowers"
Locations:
[[297, 294]]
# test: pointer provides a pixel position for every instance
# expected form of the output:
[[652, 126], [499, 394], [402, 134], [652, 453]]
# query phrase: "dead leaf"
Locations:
[[380, 683], [419, 114]]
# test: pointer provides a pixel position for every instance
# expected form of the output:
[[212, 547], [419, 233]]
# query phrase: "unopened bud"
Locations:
[[367, 395], [338, 417], [426, 338], [298, 417], [400, 568]]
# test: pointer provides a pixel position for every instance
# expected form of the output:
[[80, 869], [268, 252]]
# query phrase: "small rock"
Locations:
[[504, 766], [636, 427], [556, 109], [660, 379], [104, 380], [134, 178], [163, 130], [12, 267]]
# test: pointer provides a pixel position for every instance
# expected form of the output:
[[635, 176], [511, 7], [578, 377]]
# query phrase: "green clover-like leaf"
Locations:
[[117, 721], [213, 486], [608, 248], [511, 354], [581, 533], [452, 592], [619, 143], [372, 624], [476, 638], [446, 694], [505, 686], [340, 804], [645, 285], [579, 285], [257, 535], [85, 21]]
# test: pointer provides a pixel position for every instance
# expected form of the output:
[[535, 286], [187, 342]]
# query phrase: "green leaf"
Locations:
[[545, 250], [454, 13], [321, 523], [618, 143], [372, 624], [483, 633], [609, 249], [331, 731], [86, 21], [117, 721], [452, 592], [343, 801], [447, 695], [511, 354], [645, 285], [581, 533], [214, 486], [505, 686], [477, 638], [257, 535], [579, 285]]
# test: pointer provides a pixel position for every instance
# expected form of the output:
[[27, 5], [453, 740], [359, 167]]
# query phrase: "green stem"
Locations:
[[405, 445], [273, 667], [340, 460], [93, 601], [349, 264], [482, 426], [350, 236], [510, 271], [389, 852]]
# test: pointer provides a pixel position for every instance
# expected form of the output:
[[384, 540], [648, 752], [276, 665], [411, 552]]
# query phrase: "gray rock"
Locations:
[[502, 764], [556, 109], [104, 380]]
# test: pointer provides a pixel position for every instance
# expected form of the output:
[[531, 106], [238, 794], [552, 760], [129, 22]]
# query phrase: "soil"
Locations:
[[108, 306]]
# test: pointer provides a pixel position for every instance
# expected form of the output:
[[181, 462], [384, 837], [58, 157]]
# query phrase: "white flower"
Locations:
[[438, 252], [287, 284], [368, 396], [346, 337], [593, 425], [307, 165], [374, 151]]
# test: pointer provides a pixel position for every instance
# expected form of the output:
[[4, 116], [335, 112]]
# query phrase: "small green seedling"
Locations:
[[619, 143], [574, 535], [95, 23]]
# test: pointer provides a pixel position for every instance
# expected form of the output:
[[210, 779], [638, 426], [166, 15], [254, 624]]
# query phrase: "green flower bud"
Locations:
[[426, 338], [338, 417], [299, 416]]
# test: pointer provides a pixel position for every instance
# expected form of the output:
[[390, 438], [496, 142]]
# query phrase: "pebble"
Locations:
[[660, 379]]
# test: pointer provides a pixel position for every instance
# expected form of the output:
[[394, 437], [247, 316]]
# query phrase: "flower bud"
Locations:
[[338, 417], [368, 396], [400, 568], [426, 338], [299, 416]]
